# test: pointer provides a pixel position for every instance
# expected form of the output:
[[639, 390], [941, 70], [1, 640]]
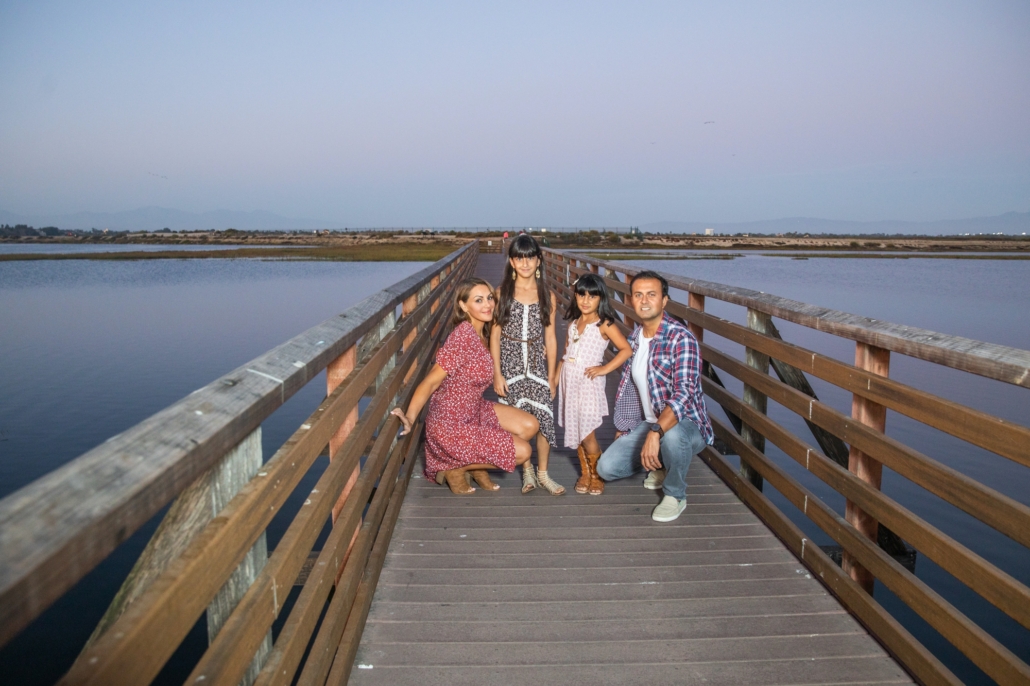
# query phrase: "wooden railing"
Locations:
[[850, 454], [209, 554]]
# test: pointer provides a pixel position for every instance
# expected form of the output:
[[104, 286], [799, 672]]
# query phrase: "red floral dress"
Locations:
[[461, 426]]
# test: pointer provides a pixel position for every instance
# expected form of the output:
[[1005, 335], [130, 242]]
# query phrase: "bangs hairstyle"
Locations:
[[591, 284], [523, 246], [461, 295]]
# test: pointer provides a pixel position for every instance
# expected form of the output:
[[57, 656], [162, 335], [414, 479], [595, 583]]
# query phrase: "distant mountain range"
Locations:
[[156, 218], [1008, 223]]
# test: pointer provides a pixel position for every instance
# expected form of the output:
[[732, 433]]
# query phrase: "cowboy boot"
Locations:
[[583, 482], [596, 485]]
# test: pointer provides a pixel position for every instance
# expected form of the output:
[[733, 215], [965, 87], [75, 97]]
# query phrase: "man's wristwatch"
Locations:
[[657, 428]]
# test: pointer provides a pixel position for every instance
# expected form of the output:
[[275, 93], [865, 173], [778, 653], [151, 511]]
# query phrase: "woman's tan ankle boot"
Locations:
[[596, 485], [583, 482]]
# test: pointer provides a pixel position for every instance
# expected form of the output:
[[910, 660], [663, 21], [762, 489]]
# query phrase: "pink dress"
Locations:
[[461, 425], [581, 401]]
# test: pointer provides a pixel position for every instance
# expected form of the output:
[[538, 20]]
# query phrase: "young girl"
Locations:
[[582, 402], [525, 351]]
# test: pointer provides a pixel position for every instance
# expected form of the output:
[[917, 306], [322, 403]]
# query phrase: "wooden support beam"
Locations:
[[754, 398], [865, 467], [336, 372], [696, 301]]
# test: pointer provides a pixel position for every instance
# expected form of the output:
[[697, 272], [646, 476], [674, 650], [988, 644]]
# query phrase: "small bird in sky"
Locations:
[[158, 176], [709, 122]]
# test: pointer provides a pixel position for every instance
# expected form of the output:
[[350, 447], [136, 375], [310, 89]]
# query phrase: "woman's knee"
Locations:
[[530, 427], [523, 450]]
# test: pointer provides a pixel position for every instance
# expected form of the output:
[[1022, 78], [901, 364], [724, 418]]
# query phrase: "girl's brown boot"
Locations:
[[596, 485], [583, 482]]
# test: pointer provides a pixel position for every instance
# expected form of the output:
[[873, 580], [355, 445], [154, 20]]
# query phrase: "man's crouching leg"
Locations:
[[622, 458], [678, 447]]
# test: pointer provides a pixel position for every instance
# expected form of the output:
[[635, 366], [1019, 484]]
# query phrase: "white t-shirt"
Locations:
[[639, 371]]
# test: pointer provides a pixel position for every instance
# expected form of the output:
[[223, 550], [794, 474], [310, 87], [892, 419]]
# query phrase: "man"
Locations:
[[660, 413]]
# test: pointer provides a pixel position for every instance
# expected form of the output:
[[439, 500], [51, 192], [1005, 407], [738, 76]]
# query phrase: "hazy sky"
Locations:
[[520, 113]]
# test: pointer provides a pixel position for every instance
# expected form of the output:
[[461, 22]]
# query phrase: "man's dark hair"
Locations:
[[648, 274]]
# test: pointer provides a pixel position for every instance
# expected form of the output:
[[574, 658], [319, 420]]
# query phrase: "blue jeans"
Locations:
[[678, 447]]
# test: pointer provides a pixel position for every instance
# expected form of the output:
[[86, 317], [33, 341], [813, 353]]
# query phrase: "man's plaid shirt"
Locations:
[[673, 379]]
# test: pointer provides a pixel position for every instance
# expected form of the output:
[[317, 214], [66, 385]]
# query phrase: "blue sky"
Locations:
[[394, 114]]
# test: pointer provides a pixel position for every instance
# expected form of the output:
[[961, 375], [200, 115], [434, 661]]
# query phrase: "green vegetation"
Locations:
[[891, 256], [659, 256], [370, 252]]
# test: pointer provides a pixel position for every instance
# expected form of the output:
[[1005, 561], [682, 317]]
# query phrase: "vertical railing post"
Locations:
[[696, 301], [434, 283], [193, 510], [232, 474], [752, 397], [621, 297], [409, 305], [336, 372], [871, 414]]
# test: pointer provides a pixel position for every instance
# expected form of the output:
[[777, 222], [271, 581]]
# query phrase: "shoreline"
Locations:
[[375, 247]]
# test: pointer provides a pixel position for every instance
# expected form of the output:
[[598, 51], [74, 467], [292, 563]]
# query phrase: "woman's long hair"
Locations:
[[591, 284], [461, 295], [523, 246]]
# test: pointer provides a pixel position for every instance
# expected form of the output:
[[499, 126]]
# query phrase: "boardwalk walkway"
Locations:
[[504, 588]]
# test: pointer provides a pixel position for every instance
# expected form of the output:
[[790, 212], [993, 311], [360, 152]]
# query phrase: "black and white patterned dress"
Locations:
[[524, 365]]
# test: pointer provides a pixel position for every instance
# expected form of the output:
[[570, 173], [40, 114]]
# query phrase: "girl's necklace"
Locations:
[[575, 334]]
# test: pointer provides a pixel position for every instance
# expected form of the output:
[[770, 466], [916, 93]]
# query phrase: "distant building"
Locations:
[[709, 232]]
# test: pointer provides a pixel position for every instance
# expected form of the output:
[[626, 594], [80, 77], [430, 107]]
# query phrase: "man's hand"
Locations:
[[649, 456]]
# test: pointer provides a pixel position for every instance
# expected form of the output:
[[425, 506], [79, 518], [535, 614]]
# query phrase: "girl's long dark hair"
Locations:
[[591, 284], [523, 246], [461, 295]]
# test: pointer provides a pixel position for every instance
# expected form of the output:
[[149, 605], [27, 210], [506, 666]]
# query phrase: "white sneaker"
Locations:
[[669, 509], [654, 480]]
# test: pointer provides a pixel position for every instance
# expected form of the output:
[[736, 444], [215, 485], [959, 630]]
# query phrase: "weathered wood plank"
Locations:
[[614, 652], [818, 602], [757, 672]]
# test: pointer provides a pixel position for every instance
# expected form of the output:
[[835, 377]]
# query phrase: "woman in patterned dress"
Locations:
[[465, 433], [525, 351]]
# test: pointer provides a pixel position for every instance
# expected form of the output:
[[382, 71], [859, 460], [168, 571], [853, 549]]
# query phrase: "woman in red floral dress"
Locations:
[[465, 433]]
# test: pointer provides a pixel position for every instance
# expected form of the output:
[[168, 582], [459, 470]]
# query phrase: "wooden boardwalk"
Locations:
[[501, 588]]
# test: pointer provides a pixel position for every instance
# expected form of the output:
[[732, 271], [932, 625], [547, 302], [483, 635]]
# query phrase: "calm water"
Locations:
[[981, 299], [91, 348], [56, 248]]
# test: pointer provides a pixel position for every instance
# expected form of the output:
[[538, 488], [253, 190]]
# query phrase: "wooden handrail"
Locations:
[[186, 588], [1004, 438], [55, 530], [998, 362]]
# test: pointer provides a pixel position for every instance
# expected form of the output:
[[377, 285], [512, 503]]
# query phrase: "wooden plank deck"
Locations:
[[501, 588]]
